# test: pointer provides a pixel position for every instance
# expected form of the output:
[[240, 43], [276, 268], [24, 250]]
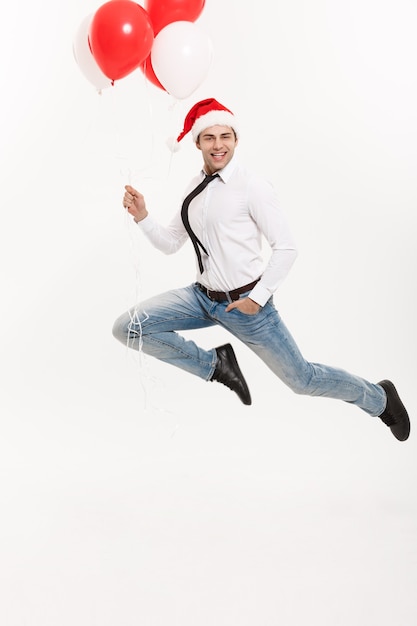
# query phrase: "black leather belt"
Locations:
[[222, 296]]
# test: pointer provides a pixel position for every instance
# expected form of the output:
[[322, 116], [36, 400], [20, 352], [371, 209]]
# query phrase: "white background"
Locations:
[[132, 494]]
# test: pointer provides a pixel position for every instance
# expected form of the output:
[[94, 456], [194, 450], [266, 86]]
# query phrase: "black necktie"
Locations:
[[184, 216]]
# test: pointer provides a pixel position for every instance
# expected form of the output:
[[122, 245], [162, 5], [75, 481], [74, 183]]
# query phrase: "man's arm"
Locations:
[[166, 239], [272, 222]]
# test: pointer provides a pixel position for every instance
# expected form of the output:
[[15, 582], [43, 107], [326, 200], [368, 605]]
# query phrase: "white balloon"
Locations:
[[181, 57], [84, 57]]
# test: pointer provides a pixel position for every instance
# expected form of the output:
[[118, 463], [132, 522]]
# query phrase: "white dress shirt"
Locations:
[[231, 217]]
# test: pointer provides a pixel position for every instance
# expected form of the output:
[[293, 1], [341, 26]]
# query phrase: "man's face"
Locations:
[[217, 143]]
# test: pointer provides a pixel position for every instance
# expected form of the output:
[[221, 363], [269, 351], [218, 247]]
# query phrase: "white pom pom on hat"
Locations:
[[173, 144], [202, 115]]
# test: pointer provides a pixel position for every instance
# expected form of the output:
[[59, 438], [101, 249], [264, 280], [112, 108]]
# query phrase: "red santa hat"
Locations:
[[202, 115]]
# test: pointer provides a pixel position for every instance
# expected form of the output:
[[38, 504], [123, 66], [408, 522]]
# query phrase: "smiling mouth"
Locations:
[[218, 155]]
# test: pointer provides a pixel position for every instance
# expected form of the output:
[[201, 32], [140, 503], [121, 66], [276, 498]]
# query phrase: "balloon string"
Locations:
[[137, 316], [135, 335]]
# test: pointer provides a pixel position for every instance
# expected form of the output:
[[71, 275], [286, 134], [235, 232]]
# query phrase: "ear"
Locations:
[[197, 143]]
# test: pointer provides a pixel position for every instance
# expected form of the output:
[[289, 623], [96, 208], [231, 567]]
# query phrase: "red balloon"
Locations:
[[164, 12], [148, 70], [120, 37]]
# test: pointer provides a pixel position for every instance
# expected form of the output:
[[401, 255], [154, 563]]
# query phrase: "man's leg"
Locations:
[[152, 327], [266, 334]]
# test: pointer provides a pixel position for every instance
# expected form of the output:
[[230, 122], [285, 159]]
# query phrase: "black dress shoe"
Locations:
[[228, 372], [395, 415]]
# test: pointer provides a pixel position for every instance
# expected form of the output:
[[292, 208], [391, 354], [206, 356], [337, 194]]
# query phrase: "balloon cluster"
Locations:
[[161, 39]]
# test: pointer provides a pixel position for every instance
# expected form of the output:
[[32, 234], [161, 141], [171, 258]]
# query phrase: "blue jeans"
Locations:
[[153, 325]]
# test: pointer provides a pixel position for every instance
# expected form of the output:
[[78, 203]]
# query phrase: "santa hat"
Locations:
[[202, 115]]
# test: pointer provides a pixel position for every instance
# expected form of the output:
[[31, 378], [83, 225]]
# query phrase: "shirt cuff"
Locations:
[[260, 294], [147, 224]]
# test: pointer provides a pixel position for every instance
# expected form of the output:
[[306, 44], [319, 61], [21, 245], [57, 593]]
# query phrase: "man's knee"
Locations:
[[129, 327], [119, 329]]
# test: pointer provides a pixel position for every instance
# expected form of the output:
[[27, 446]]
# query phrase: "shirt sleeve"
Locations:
[[167, 239], [266, 211]]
